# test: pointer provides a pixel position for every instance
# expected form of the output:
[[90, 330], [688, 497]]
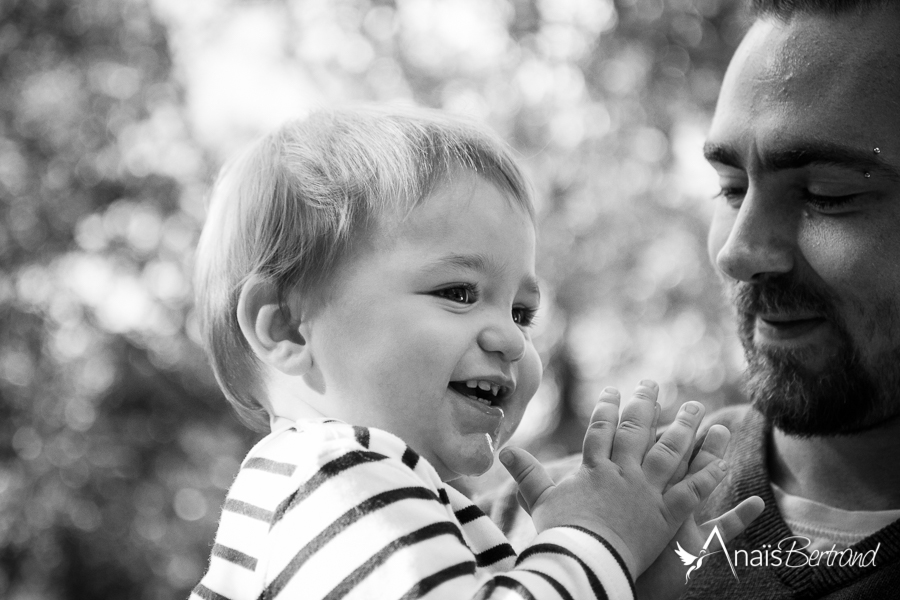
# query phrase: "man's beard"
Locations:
[[847, 395]]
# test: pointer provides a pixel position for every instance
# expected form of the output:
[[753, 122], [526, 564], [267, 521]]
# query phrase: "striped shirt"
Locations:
[[325, 510]]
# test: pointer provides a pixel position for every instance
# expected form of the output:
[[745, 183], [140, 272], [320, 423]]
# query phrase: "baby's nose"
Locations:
[[506, 339]]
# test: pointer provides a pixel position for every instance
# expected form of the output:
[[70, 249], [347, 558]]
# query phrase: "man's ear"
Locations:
[[274, 335]]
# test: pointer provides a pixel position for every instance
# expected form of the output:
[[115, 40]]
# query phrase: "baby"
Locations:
[[366, 287]]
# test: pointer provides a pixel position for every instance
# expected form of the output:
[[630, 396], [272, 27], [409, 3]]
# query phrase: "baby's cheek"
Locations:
[[531, 371], [527, 384]]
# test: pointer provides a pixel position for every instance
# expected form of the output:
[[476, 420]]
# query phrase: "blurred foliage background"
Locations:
[[116, 447]]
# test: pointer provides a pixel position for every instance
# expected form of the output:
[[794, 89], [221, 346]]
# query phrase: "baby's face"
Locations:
[[427, 331]]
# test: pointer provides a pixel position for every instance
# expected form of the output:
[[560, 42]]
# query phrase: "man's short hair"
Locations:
[[293, 206], [784, 9]]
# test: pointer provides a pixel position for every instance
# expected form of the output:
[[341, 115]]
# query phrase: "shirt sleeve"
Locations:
[[365, 525]]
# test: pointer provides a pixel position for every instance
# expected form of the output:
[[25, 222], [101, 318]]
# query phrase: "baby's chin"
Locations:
[[507, 429], [475, 452], [476, 459]]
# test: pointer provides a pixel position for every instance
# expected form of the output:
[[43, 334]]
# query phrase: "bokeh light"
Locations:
[[118, 447]]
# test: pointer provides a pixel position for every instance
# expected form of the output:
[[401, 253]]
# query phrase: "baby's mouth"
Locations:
[[489, 394]]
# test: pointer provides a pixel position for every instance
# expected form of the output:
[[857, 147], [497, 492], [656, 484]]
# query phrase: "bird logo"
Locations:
[[694, 562], [688, 559]]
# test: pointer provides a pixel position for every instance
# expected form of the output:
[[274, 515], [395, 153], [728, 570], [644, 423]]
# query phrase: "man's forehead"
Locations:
[[851, 50], [835, 78]]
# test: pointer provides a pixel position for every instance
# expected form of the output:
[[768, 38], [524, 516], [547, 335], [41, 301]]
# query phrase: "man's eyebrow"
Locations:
[[821, 154], [831, 155], [722, 155]]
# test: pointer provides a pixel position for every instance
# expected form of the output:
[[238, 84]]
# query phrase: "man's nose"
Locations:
[[503, 337], [762, 240]]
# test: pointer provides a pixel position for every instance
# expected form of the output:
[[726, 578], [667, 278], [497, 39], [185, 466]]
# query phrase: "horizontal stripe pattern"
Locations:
[[341, 524], [207, 594], [468, 514], [430, 582], [580, 555], [362, 435], [331, 511], [509, 583], [234, 556], [410, 458], [361, 572], [612, 551], [270, 466], [329, 470], [248, 510], [557, 586], [596, 586], [494, 555]]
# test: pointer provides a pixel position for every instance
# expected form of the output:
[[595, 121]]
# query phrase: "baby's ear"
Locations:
[[272, 332]]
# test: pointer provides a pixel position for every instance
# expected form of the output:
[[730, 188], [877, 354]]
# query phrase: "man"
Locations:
[[806, 236]]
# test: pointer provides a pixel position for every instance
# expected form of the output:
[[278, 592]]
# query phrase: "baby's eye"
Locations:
[[523, 316], [462, 294]]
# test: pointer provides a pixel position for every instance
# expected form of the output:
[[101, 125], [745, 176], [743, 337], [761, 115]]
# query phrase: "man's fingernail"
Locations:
[[723, 465], [611, 391], [649, 383], [506, 457], [691, 408]]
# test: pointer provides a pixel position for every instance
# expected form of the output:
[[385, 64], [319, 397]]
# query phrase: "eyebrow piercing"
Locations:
[[876, 150], [867, 174]]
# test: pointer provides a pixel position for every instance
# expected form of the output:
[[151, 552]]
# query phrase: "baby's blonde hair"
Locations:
[[289, 209]]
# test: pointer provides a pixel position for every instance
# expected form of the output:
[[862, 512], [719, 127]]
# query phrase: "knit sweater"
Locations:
[[322, 509], [749, 476]]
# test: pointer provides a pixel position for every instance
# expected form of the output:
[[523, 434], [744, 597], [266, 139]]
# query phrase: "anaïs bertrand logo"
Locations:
[[695, 562], [792, 552]]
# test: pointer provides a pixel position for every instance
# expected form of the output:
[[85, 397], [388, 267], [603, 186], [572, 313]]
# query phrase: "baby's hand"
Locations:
[[620, 492], [665, 578]]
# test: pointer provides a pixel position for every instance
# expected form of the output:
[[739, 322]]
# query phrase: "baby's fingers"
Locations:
[[664, 458], [736, 520], [529, 474], [715, 442], [521, 500], [633, 434], [691, 492], [601, 432], [714, 446]]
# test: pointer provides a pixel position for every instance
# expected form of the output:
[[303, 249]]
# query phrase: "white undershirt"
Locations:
[[826, 526]]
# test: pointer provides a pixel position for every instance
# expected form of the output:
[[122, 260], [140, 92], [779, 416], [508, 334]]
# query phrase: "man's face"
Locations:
[[806, 231]]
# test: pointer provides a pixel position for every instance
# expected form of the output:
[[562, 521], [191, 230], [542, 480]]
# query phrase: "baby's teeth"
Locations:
[[484, 385]]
